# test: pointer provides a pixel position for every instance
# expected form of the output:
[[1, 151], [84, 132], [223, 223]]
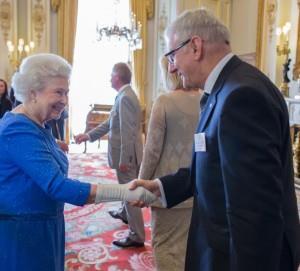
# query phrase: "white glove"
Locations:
[[121, 192]]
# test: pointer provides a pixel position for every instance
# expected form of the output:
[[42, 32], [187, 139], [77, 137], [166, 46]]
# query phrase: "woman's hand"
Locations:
[[63, 145]]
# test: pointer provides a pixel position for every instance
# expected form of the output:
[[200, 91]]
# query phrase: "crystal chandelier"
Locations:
[[132, 33]]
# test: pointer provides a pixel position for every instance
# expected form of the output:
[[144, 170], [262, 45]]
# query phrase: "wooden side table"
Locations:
[[98, 114]]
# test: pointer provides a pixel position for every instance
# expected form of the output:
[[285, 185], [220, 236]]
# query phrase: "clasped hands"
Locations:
[[138, 193]]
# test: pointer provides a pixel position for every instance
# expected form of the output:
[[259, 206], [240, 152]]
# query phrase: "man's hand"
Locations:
[[63, 145], [150, 185], [81, 138], [121, 192]]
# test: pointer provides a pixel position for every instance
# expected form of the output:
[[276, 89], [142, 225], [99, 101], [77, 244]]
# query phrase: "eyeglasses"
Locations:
[[171, 55]]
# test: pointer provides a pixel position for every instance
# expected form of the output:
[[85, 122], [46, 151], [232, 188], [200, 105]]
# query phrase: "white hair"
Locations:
[[35, 71], [199, 22]]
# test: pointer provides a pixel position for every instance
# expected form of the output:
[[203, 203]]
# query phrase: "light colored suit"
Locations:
[[125, 147]]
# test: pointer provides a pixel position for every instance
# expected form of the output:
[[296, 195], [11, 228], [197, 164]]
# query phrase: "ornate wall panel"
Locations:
[[8, 31], [26, 19], [165, 11], [39, 24], [5, 18]]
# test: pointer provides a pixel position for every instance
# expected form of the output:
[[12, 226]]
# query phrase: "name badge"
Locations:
[[200, 144]]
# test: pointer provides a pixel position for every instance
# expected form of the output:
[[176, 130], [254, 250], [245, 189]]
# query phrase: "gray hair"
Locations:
[[123, 71], [198, 22], [35, 71], [172, 81]]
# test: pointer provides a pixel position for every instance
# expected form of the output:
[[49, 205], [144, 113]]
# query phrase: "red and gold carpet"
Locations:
[[90, 230]]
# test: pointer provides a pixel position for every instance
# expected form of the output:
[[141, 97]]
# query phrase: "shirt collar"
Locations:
[[214, 74], [123, 87]]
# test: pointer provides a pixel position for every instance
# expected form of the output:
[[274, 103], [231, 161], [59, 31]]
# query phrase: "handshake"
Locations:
[[137, 195]]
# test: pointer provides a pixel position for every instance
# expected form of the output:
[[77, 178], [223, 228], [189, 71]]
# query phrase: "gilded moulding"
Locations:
[[150, 9], [271, 12], [259, 33], [55, 5], [296, 70], [38, 20], [162, 23], [5, 18]]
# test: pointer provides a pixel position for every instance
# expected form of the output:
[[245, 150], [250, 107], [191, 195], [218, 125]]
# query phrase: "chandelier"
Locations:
[[132, 33]]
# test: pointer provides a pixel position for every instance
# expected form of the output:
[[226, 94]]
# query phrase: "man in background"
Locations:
[[124, 148], [245, 214]]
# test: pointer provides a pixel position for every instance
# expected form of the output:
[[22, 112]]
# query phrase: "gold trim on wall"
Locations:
[[38, 20], [296, 70], [259, 33], [271, 6], [55, 5], [150, 9], [5, 18]]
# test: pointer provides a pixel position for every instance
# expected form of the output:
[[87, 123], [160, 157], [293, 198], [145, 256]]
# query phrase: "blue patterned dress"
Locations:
[[33, 188]]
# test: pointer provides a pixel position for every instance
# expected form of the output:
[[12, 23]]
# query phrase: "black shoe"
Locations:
[[127, 242], [116, 215]]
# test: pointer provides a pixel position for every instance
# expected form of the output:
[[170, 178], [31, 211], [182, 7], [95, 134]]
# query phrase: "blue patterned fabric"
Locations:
[[33, 189]]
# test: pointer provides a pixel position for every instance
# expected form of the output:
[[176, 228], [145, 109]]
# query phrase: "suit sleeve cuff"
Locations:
[[162, 198], [89, 137]]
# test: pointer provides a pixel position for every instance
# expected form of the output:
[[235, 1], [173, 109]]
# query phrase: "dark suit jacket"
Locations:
[[5, 105], [245, 214]]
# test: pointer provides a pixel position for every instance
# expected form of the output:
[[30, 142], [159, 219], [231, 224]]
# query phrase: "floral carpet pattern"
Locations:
[[90, 230]]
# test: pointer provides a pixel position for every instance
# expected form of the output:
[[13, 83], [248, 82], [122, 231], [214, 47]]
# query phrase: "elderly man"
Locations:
[[124, 148], [245, 213]]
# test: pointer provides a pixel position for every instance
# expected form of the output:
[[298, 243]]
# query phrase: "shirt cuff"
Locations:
[[162, 198]]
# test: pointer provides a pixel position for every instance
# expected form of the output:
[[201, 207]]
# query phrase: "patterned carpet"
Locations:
[[90, 230]]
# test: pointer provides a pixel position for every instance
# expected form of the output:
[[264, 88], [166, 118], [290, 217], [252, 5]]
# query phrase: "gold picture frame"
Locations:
[[296, 70], [259, 32]]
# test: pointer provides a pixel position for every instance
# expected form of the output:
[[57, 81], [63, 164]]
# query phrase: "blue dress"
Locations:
[[33, 188]]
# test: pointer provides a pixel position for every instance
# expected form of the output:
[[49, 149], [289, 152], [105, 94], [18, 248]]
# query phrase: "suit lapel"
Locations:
[[211, 102], [212, 99]]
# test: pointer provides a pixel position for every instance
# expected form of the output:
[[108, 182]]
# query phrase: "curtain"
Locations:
[[67, 19], [143, 11]]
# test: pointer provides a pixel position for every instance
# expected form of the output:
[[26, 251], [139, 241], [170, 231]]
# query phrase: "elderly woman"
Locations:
[[33, 171], [5, 103], [168, 147]]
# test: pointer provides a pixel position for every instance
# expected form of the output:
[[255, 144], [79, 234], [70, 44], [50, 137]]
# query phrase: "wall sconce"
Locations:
[[283, 49], [16, 53]]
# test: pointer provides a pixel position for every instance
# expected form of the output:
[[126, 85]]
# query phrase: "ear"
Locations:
[[197, 46], [33, 95]]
